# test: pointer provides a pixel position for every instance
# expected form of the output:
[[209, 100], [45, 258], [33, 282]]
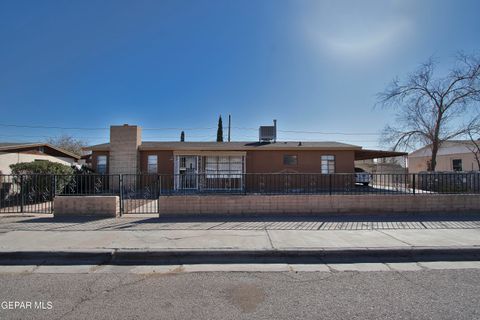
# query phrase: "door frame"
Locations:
[[179, 174]]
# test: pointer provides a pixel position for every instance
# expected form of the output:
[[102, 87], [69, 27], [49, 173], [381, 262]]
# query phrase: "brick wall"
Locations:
[[124, 143], [308, 161], [97, 206], [252, 204]]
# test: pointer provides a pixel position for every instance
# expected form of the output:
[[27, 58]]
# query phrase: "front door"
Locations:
[[188, 172]]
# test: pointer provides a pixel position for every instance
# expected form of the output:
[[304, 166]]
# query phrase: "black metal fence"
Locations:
[[34, 193], [141, 193], [87, 185], [307, 183], [31, 193]]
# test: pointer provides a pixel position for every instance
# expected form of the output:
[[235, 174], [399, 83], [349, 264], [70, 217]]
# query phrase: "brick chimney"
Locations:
[[124, 143]]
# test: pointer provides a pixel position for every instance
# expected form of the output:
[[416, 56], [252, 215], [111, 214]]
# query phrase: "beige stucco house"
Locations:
[[454, 155], [11, 153]]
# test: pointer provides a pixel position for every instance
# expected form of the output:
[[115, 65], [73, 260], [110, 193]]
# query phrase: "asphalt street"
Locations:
[[424, 294]]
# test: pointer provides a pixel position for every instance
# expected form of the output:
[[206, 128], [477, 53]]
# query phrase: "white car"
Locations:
[[363, 177]]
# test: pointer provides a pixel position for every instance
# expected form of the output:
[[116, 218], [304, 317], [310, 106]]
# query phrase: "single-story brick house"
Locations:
[[128, 154]]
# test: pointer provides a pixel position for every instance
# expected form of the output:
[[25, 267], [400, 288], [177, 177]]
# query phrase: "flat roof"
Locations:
[[360, 154], [365, 154], [236, 146]]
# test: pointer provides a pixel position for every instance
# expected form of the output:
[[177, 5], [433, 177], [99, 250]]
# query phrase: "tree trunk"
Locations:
[[433, 162], [436, 135]]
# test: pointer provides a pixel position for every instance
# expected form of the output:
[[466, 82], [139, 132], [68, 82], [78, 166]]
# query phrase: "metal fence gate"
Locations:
[[27, 193], [139, 193]]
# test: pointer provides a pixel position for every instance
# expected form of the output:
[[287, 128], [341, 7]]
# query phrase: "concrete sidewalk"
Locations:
[[153, 239], [235, 239]]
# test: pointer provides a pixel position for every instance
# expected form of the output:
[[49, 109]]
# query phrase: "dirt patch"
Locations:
[[246, 297]]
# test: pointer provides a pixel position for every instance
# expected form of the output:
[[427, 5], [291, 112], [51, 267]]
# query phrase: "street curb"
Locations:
[[187, 256]]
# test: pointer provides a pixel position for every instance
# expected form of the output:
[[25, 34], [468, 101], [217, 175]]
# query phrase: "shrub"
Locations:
[[41, 167], [38, 175]]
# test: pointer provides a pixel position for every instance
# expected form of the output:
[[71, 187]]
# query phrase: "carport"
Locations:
[[365, 154]]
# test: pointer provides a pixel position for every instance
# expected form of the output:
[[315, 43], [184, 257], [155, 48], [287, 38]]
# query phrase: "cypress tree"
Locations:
[[220, 130]]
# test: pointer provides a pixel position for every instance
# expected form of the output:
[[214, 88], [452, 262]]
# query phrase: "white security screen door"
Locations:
[[187, 172]]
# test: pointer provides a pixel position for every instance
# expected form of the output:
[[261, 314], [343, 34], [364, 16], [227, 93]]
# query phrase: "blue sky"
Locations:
[[312, 65]]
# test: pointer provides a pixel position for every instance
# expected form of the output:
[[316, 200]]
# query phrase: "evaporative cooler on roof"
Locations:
[[268, 133]]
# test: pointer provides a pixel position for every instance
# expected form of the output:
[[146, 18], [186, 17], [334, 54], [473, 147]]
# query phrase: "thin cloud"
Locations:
[[356, 33]]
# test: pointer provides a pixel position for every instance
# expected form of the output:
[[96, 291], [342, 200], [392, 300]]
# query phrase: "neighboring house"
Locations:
[[453, 155], [11, 153], [128, 154]]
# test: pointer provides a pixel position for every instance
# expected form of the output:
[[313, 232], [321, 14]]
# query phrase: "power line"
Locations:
[[332, 133], [178, 128], [170, 138], [43, 136], [161, 129], [97, 137], [315, 132], [94, 128], [287, 138], [49, 127]]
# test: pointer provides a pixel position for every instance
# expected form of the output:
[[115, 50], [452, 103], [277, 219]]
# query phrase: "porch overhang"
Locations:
[[208, 153], [365, 154]]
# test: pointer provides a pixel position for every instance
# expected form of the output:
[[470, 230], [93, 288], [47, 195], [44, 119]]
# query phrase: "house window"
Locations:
[[328, 164], [102, 164], [152, 162], [289, 160], [457, 165], [223, 166]]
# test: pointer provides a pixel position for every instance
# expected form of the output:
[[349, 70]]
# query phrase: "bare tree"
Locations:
[[430, 109], [68, 143]]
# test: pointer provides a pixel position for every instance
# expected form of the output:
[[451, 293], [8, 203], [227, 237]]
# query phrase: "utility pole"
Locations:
[[229, 126]]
